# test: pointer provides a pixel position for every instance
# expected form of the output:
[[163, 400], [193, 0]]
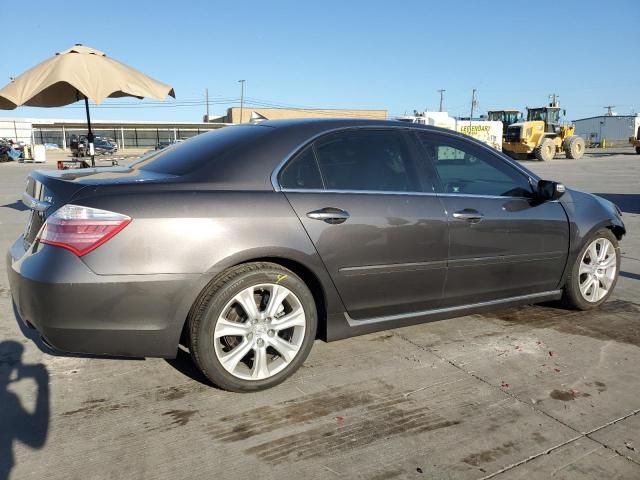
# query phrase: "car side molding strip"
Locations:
[[551, 295]]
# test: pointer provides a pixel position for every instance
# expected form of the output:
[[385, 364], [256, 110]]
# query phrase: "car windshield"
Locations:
[[192, 154]]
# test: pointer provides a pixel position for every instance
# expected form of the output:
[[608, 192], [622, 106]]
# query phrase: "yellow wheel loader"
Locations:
[[542, 136], [635, 141], [507, 117]]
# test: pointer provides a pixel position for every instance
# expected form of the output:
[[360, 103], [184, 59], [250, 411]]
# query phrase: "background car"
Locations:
[[79, 146], [168, 143], [104, 146], [248, 243]]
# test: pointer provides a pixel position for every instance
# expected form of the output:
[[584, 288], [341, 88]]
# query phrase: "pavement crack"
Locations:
[[533, 407], [530, 458]]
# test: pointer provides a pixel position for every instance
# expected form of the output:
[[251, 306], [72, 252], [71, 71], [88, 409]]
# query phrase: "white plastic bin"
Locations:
[[39, 154]]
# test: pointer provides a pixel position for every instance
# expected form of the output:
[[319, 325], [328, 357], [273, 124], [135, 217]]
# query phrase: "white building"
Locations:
[[614, 129], [19, 130], [126, 133]]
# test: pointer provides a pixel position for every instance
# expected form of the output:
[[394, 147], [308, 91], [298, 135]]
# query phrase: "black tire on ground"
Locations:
[[571, 296], [546, 150], [574, 147], [638, 150], [208, 307]]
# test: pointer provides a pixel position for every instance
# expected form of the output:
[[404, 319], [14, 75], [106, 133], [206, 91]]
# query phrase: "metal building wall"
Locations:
[[16, 130], [615, 129]]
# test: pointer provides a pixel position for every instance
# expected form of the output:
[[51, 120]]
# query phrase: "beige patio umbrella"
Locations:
[[76, 74]]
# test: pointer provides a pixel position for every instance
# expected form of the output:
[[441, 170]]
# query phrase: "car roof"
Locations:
[[248, 163], [330, 123]]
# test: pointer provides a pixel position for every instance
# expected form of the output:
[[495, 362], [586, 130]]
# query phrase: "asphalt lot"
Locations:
[[533, 392]]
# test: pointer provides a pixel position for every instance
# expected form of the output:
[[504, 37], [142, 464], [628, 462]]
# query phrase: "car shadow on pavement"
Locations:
[[17, 205], [184, 364], [627, 202], [631, 275], [17, 423]]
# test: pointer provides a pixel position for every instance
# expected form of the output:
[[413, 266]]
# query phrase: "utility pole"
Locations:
[[609, 110], [441, 91], [474, 103], [241, 82], [206, 96]]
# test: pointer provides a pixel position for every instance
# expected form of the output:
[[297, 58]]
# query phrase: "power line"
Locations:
[[158, 104]]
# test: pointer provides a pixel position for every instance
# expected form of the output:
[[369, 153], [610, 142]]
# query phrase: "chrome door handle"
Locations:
[[469, 215], [330, 215]]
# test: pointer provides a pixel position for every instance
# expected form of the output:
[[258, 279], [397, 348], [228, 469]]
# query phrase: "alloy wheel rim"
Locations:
[[260, 331], [597, 270]]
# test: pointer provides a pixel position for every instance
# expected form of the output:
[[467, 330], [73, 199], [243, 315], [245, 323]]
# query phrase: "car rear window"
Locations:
[[188, 156]]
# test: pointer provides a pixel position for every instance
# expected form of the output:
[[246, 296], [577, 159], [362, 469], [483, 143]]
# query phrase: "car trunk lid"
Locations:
[[46, 191]]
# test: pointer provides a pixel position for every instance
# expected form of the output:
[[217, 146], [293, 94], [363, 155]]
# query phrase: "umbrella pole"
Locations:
[[90, 134]]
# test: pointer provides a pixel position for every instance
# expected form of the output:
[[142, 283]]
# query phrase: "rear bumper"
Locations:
[[76, 310]]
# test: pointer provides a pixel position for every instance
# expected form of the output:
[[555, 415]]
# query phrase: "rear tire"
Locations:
[[546, 150], [574, 147], [238, 330], [638, 150], [589, 270]]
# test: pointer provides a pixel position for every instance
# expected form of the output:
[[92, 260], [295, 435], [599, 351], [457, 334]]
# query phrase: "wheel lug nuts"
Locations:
[[260, 342], [271, 333]]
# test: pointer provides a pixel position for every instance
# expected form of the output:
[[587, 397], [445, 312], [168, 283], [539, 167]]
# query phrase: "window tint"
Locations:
[[375, 160], [302, 172], [466, 169], [198, 151]]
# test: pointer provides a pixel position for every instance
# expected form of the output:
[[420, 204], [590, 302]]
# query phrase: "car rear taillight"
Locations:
[[81, 229]]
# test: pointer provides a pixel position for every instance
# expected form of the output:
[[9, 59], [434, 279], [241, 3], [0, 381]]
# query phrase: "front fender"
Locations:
[[587, 214]]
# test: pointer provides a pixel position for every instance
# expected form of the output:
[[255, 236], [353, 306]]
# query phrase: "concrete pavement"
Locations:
[[531, 392]]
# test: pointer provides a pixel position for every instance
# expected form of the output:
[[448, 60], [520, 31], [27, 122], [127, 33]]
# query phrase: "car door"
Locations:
[[502, 242], [382, 239]]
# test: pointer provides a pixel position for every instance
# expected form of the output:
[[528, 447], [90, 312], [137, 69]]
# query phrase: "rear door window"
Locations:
[[366, 160], [302, 172]]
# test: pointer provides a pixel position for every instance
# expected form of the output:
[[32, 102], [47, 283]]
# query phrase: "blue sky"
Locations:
[[346, 54]]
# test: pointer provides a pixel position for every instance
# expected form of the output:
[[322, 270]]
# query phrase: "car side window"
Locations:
[[302, 172], [466, 169], [365, 160]]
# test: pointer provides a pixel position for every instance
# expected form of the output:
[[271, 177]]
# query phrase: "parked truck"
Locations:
[[489, 132]]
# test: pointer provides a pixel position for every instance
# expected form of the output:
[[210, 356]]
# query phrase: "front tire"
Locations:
[[253, 327], [574, 147], [546, 150], [594, 274]]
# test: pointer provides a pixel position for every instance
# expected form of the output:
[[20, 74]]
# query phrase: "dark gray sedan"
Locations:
[[246, 244]]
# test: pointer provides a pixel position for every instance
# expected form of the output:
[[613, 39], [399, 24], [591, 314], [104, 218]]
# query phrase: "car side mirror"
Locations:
[[549, 190]]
